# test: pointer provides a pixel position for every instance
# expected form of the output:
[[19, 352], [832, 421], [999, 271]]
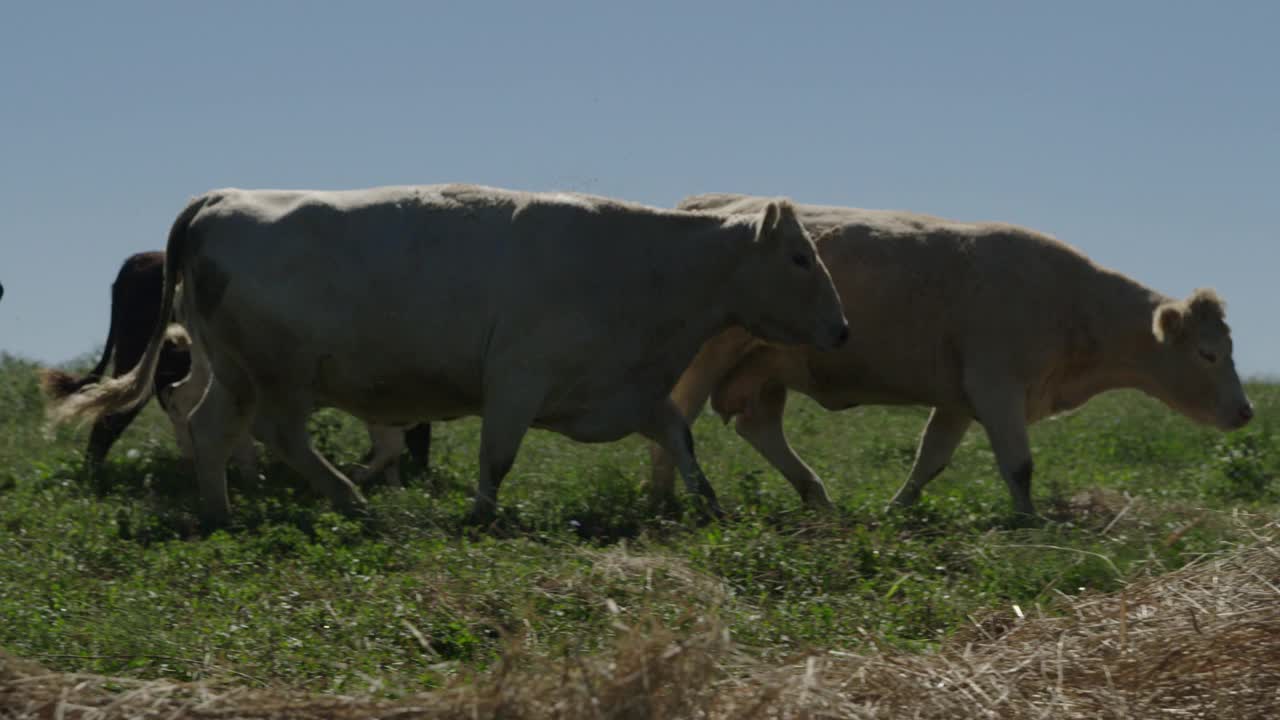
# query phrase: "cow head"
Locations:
[[784, 292], [1196, 374]]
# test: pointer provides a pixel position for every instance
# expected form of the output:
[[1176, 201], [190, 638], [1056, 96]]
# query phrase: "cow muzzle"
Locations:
[[1243, 414]]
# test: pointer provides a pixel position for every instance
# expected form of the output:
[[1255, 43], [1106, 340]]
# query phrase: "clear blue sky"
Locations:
[[1145, 133]]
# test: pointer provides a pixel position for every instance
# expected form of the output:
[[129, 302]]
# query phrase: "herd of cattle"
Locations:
[[598, 318]]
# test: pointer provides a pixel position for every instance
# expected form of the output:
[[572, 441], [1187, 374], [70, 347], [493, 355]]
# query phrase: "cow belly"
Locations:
[[882, 376], [595, 417], [596, 425], [402, 401]]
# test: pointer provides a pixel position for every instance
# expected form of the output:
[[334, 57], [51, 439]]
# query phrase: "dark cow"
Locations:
[[135, 305]]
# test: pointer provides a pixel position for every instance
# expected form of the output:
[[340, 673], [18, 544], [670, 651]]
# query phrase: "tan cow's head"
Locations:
[[1196, 374], [783, 292]]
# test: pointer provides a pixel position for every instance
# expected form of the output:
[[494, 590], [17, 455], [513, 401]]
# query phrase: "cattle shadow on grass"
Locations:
[[601, 505], [163, 499], [160, 493]]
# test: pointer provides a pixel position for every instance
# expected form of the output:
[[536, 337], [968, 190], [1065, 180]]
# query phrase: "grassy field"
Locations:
[[295, 597]]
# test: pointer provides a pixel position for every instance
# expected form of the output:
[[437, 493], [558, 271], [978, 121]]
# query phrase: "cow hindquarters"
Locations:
[[942, 435], [180, 398], [761, 425]]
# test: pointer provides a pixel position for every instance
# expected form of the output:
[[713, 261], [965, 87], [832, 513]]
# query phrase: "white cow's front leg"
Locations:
[[509, 411], [671, 432], [688, 397]]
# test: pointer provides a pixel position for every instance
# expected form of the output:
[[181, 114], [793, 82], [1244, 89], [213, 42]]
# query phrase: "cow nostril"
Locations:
[[1246, 412]]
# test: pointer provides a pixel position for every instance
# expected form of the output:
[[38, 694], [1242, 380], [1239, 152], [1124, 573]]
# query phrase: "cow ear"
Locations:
[[1205, 304], [786, 214], [777, 213], [1170, 322], [768, 219]]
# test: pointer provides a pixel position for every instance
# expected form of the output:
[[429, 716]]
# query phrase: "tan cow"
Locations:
[[980, 321], [567, 312]]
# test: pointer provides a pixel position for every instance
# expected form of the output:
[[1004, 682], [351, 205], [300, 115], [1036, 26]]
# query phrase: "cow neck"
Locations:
[[1123, 349], [732, 238]]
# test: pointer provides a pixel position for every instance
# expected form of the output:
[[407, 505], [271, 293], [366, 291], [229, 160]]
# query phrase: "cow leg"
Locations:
[[387, 443], [1003, 416], [671, 432], [761, 426], [285, 431], [663, 463], [245, 457], [418, 440], [104, 434], [217, 424], [181, 430], [942, 435], [689, 397], [501, 432], [180, 398]]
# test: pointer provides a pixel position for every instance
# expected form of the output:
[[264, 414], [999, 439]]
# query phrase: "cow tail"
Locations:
[[58, 384], [133, 388]]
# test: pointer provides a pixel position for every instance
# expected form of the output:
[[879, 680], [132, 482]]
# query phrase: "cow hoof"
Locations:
[[1021, 520], [480, 517], [709, 511], [819, 502], [900, 502], [357, 509], [212, 522], [665, 505]]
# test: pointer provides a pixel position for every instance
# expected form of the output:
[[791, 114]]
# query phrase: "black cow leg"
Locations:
[[418, 439], [104, 434]]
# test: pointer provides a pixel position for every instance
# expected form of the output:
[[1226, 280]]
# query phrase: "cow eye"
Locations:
[[801, 260], [1209, 357]]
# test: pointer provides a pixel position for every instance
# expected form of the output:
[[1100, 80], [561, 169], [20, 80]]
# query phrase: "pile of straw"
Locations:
[[1200, 642]]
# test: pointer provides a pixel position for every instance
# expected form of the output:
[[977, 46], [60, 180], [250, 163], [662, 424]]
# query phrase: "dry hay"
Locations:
[[1203, 641], [651, 676]]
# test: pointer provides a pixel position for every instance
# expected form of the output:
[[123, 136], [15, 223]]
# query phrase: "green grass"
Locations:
[[294, 595]]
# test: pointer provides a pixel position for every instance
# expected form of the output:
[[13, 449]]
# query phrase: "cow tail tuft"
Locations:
[[130, 390]]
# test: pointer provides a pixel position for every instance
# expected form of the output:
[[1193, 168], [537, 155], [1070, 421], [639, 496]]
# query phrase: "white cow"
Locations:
[[568, 312]]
